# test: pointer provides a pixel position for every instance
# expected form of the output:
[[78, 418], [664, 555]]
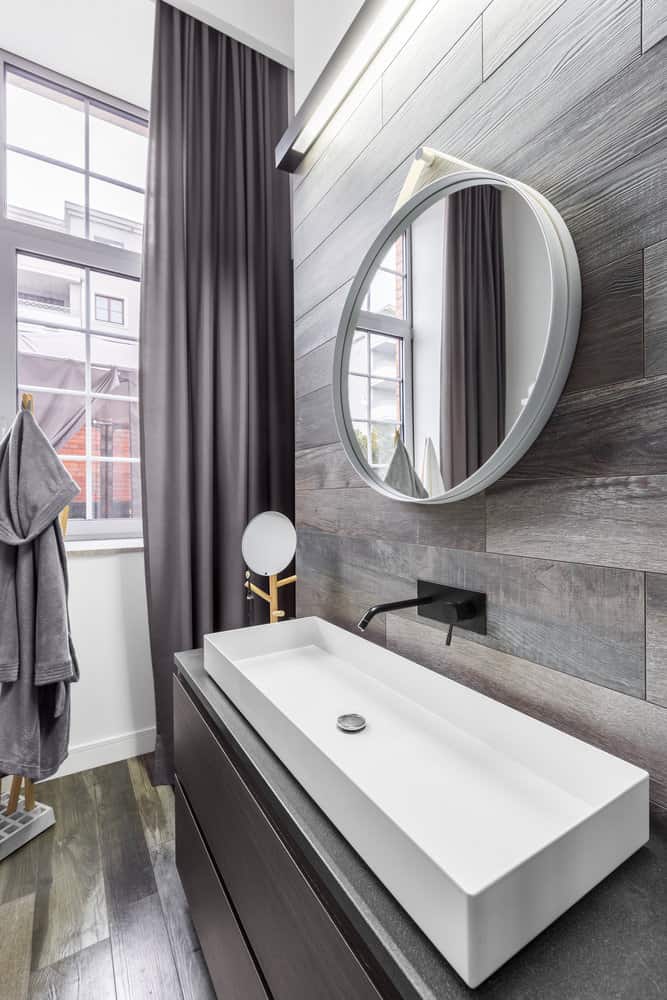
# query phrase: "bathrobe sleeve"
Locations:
[[54, 659]]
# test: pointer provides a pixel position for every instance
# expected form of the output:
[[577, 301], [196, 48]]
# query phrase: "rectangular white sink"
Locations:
[[484, 824]]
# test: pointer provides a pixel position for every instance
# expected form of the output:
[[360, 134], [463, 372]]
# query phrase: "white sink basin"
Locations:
[[483, 823]]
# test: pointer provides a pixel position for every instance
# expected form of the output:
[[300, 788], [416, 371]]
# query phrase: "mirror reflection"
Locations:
[[444, 351]]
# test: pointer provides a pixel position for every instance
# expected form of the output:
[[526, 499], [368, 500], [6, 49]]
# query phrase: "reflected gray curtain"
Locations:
[[217, 408], [472, 414]]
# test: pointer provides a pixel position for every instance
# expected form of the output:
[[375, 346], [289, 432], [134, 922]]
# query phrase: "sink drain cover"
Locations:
[[351, 723]]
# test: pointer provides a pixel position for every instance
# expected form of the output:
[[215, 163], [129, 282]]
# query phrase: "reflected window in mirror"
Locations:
[[380, 396]]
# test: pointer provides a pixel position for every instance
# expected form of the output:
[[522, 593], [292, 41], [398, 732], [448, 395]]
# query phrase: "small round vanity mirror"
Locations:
[[456, 338], [269, 543]]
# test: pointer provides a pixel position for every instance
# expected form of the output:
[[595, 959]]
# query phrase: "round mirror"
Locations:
[[268, 543], [456, 338]]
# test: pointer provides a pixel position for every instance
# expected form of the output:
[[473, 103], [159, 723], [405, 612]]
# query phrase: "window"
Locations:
[[72, 169], [387, 294], [84, 382], [109, 310], [380, 362], [73, 164]]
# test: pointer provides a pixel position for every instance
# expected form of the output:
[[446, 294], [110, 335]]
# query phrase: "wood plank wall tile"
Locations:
[[374, 72], [321, 323], [362, 126], [611, 338], [325, 468], [611, 431], [362, 513], [584, 47], [570, 547], [633, 729], [315, 421], [655, 308], [609, 522], [507, 25], [654, 23], [579, 143], [656, 641], [313, 370], [583, 620], [437, 34], [456, 76]]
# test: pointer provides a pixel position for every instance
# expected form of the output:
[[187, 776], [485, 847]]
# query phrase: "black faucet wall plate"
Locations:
[[463, 608]]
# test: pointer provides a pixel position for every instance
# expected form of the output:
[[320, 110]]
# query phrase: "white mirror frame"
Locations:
[[561, 341]]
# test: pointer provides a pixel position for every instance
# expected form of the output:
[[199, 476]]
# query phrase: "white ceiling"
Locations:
[[108, 44]]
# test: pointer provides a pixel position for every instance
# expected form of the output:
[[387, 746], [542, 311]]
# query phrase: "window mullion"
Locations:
[[88, 415], [86, 196]]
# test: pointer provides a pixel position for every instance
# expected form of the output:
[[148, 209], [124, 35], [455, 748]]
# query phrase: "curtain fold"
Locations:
[[473, 333], [217, 411]]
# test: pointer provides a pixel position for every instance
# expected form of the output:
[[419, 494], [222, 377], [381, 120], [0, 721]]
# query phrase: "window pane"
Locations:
[[44, 195], [50, 292], [385, 400], [358, 353], [382, 443], [386, 294], [385, 356], [52, 358], [116, 215], [394, 258], [116, 311], [126, 293], [361, 434], [102, 308], [115, 366], [44, 120], [358, 396], [115, 428], [77, 507], [63, 420], [116, 489], [118, 146]]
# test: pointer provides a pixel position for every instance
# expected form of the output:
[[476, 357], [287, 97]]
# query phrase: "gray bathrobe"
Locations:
[[37, 659]]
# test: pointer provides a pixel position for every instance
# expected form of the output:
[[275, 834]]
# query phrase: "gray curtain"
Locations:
[[473, 333], [217, 412]]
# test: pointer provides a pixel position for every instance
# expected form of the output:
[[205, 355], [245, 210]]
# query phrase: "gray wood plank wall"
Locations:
[[571, 547]]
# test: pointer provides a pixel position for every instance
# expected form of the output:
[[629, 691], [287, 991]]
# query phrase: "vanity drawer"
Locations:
[[301, 952], [229, 961]]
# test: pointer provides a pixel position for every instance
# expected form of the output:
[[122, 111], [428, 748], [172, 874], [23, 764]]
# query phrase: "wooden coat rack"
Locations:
[[28, 403], [275, 614]]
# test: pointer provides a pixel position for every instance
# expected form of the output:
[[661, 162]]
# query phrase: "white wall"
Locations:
[[427, 277], [106, 44], [319, 26], [113, 712], [527, 300]]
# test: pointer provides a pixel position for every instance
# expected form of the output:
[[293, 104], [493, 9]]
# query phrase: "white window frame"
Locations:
[[20, 237]]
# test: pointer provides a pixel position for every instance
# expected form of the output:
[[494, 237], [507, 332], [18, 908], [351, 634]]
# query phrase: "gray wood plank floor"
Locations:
[[94, 907]]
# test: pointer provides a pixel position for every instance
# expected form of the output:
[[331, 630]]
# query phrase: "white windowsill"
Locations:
[[76, 546]]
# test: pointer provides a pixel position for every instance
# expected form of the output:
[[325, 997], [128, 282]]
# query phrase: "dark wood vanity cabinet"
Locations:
[[263, 929]]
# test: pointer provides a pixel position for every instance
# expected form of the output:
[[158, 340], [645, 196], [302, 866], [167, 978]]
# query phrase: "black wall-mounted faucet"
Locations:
[[448, 605]]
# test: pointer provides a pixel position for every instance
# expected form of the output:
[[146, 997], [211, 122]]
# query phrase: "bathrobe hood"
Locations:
[[34, 484]]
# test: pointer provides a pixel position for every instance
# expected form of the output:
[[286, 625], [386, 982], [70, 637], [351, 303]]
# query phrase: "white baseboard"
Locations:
[[108, 751]]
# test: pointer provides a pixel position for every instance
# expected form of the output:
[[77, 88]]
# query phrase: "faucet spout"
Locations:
[[447, 605], [378, 609]]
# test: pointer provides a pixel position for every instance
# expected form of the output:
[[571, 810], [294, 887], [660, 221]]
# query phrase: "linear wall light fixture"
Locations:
[[363, 39]]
